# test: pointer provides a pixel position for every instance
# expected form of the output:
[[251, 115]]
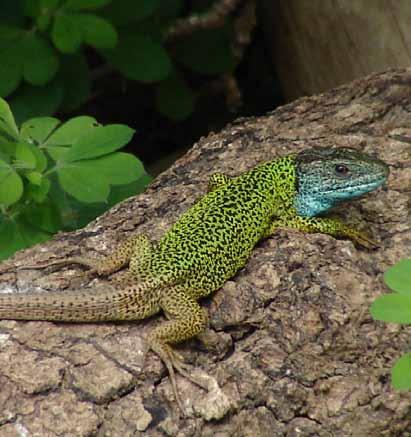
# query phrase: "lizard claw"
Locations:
[[185, 370], [363, 240], [174, 363]]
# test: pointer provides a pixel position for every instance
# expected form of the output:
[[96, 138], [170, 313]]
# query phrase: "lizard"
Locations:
[[208, 244]]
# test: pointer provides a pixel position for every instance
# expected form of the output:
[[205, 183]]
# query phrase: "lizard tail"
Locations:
[[132, 303]]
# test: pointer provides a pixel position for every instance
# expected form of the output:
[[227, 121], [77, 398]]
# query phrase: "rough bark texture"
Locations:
[[295, 349]]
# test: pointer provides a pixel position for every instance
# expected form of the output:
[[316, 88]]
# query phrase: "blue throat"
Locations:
[[311, 206]]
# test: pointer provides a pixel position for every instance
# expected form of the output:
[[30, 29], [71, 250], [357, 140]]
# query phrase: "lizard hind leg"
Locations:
[[131, 248], [140, 261], [139, 265], [186, 320]]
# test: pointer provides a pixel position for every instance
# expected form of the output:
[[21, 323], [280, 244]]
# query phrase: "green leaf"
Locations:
[[37, 130], [140, 58], [99, 141], [6, 238], [31, 8], [11, 185], [398, 277], [34, 177], [24, 53], [43, 22], [25, 158], [9, 36], [121, 12], [7, 149], [44, 216], [157, 24], [78, 181], [19, 235], [77, 178], [392, 308], [72, 130], [31, 101], [78, 5], [119, 168], [10, 76], [40, 63], [174, 98], [7, 123], [46, 9], [39, 192], [75, 214], [40, 159], [71, 29], [401, 373], [57, 153], [66, 33], [75, 76], [96, 31], [206, 51], [48, 5]]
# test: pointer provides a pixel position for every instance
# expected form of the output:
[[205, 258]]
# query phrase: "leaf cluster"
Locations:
[[57, 175], [45, 53], [396, 308]]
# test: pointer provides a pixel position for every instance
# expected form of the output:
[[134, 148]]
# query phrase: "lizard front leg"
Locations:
[[186, 320], [323, 225], [217, 180]]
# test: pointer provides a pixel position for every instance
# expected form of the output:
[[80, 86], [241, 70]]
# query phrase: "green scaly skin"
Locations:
[[209, 244]]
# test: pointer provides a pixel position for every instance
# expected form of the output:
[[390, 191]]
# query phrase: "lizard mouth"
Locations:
[[360, 189]]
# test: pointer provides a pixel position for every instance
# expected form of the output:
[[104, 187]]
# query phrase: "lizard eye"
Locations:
[[341, 169]]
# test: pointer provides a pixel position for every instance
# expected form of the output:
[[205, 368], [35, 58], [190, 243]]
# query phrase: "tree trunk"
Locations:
[[319, 44], [295, 349]]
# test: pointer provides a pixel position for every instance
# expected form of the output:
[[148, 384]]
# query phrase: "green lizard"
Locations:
[[209, 244]]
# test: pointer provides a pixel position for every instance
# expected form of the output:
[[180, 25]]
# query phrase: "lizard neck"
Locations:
[[280, 184]]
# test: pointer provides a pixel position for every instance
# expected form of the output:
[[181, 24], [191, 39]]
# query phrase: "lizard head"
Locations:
[[326, 177]]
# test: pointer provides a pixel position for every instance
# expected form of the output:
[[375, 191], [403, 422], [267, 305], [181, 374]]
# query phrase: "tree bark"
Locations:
[[295, 351], [319, 44]]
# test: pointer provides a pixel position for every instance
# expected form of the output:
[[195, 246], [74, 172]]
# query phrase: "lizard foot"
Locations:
[[174, 363], [361, 239], [185, 369]]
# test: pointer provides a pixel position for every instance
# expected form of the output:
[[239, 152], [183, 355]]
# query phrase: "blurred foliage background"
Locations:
[[171, 70]]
